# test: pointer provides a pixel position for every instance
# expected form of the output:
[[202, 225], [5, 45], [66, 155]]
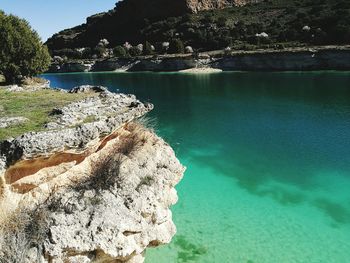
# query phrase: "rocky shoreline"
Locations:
[[297, 59], [87, 191]]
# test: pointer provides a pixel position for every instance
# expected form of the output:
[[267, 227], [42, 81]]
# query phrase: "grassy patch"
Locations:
[[90, 119], [35, 106], [2, 79]]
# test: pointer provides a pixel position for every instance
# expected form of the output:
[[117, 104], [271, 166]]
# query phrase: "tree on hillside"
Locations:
[[148, 50], [135, 51], [120, 52], [176, 46], [22, 53]]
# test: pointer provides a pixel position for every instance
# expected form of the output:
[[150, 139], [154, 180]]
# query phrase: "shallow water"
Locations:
[[268, 158]]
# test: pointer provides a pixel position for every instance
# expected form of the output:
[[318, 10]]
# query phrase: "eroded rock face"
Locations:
[[165, 8], [105, 199], [121, 220], [201, 5], [322, 58]]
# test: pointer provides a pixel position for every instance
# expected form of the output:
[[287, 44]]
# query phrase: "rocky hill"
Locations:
[[87, 191], [209, 25], [124, 22]]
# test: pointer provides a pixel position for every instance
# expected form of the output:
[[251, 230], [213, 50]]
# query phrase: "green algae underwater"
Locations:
[[268, 162]]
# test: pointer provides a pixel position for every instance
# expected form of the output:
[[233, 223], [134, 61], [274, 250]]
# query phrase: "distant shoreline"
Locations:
[[301, 59]]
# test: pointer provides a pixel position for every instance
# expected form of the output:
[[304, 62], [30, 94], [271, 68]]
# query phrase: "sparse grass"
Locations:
[[2, 80], [149, 123], [105, 173], [35, 106], [90, 119], [22, 231], [33, 81]]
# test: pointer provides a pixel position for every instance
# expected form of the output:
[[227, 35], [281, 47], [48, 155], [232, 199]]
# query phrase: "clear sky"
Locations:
[[50, 16]]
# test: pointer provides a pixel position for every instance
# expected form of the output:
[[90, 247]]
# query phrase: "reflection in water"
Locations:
[[268, 157]]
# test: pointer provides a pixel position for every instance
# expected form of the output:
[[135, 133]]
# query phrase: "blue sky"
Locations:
[[50, 16]]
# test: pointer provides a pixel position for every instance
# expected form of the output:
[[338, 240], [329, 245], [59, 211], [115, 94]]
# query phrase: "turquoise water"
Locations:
[[268, 158]]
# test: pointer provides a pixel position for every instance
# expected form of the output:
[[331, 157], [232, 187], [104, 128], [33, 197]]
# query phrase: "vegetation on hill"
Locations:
[[271, 23], [315, 22], [21, 52]]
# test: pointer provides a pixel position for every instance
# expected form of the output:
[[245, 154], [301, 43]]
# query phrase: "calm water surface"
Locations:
[[268, 157]]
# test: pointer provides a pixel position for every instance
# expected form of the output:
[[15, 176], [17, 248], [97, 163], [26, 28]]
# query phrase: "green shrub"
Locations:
[[120, 52], [147, 49], [99, 51], [22, 53], [134, 51], [87, 53], [222, 21], [176, 46]]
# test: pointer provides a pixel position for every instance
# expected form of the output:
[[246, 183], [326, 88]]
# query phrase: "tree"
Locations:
[[119, 52], [222, 21], [176, 46], [147, 50], [134, 51], [100, 51], [22, 53]]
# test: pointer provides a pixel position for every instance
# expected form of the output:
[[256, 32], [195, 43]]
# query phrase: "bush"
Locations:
[[134, 51], [176, 46], [100, 51], [22, 53], [222, 21], [87, 53], [119, 52], [147, 50]]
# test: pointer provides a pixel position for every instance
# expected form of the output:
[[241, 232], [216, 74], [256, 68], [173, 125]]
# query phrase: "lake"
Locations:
[[268, 162]]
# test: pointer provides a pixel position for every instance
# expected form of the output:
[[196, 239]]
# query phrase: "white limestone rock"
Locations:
[[11, 121]]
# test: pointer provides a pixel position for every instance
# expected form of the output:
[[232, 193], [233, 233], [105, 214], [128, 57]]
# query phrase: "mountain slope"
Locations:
[[125, 21], [209, 25]]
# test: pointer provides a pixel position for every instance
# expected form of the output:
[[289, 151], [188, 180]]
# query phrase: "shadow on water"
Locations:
[[273, 130], [339, 213], [188, 252]]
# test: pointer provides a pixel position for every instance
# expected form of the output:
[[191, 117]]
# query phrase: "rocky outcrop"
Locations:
[[285, 61], [112, 64], [11, 121], [87, 191], [167, 64], [167, 8], [104, 114], [273, 60], [195, 6], [28, 85], [70, 67], [133, 65]]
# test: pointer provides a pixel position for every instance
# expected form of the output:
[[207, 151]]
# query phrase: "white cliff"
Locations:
[[97, 192]]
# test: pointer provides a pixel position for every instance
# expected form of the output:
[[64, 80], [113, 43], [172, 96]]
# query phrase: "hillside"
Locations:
[[212, 26]]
